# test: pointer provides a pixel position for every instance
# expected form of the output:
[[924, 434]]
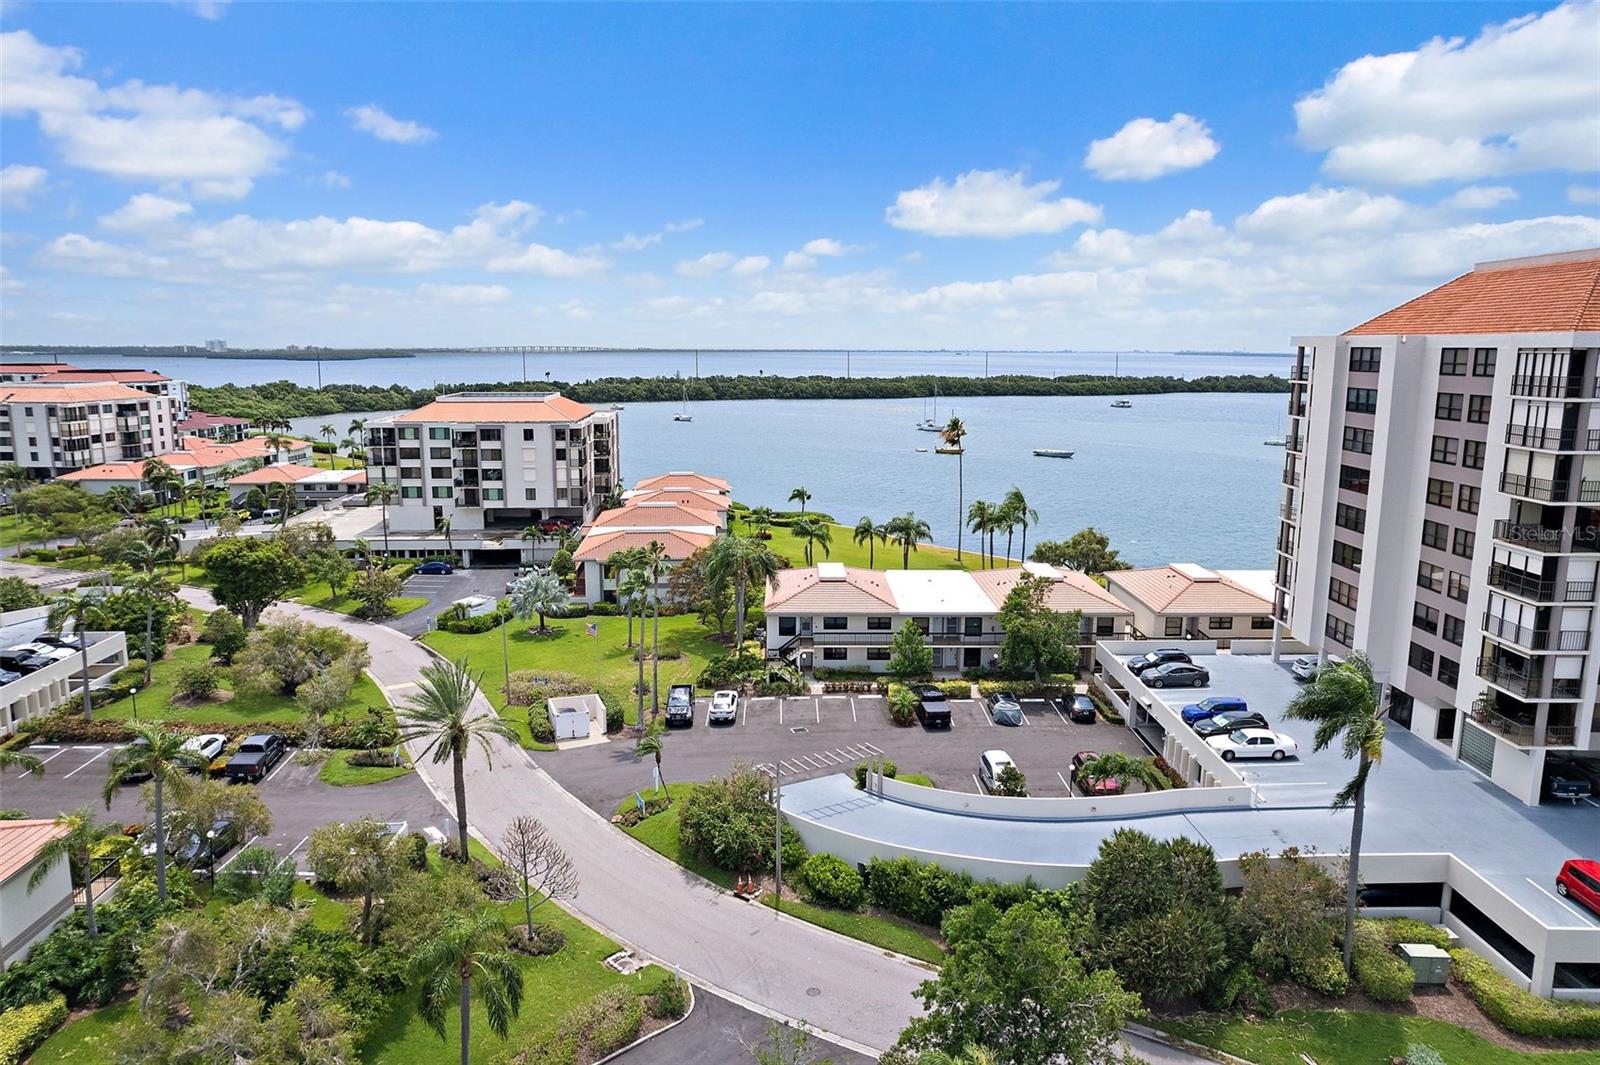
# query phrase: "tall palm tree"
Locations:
[[812, 532], [163, 537], [633, 591], [77, 846], [22, 761], [358, 428], [1006, 517], [741, 560], [283, 496], [155, 472], [655, 565], [440, 714], [275, 440], [382, 492], [443, 525], [759, 521], [866, 532], [540, 592], [1344, 702], [327, 432], [907, 531], [13, 478], [801, 496], [1024, 515], [154, 591], [159, 754], [469, 947], [650, 744], [82, 609], [1114, 765], [618, 563], [954, 431], [981, 520], [122, 498]]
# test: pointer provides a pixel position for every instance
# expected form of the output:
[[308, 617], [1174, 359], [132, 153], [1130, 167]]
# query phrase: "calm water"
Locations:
[[421, 370], [1176, 478]]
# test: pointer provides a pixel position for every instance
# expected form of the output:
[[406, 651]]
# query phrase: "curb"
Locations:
[[664, 1028], [1188, 1046]]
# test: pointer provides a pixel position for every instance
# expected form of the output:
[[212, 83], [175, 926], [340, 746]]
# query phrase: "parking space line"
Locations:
[[744, 713], [783, 764], [871, 748], [281, 763], [89, 747], [978, 784], [780, 710], [44, 746], [1024, 714], [58, 754], [986, 715], [816, 704], [84, 766], [852, 709], [1554, 897], [1064, 783], [237, 851]]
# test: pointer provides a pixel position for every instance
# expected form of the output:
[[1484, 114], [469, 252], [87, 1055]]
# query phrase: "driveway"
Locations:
[[444, 589], [721, 1032]]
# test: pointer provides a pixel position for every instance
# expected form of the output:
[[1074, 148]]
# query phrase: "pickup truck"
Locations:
[[680, 705], [255, 758]]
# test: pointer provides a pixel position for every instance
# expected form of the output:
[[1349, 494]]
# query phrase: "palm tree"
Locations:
[[801, 496], [759, 521], [651, 744], [358, 427], [22, 761], [360, 855], [283, 495], [468, 946], [1343, 701], [813, 531], [275, 440], [121, 497], [952, 434], [1024, 516], [540, 592], [155, 472], [160, 755], [439, 713], [981, 519], [633, 591], [741, 560], [1006, 517], [619, 564], [1117, 766], [655, 564], [443, 525], [82, 609], [13, 478], [77, 846], [381, 493], [866, 532], [327, 432], [907, 531], [153, 590]]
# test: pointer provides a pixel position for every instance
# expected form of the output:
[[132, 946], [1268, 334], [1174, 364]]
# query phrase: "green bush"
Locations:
[[414, 851], [132, 673], [196, 681], [546, 939], [615, 718], [1518, 1010], [729, 822], [669, 1001], [225, 633], [1026, 688], [604, 610], [531, 687], [889, 770], [902, 706], [539, 726], [1409, 930], [1378, 971], [24, 1028], [18, 594], [1323, 974], [619, 1025], [833, 882], [917, 891], [455, 620]]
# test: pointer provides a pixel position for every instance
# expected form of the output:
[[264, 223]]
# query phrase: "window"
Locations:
[[1454, 629], [1421, 659], [974, 627], [438, 452], [1449, 671], [1361, 400], [410, 491], [879, 624], [1430, 576], [527, 435], [1434, 534], [1364, 360], [440, 472], [1467, 499], [835, 623], [1174, 627], [835, 654], [1354, 479], [1472, 454], [1219, 623], [411, 473], [1339, 630], [1343, 593], [1453, 362], [1483, 362], [1444, 449], [530, 493], [438, 432], [443, 492], [878, 654], [1347, 517], [1440, 492], [410, 432], [1358, 440], [1425, 618], [1459, 586], [1465, 539], [489, 435], [1478, 409], [1346, 556], [786, 626], [494, 493], [1448, 406], [1105, 626], [1258, 623]]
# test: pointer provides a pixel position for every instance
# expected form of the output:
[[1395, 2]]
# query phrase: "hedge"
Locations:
[[832, 882], [917, 891], [1520, 1011], [1378, 970], [1057, 685], [455, 620], [889, 770], [23, 1028], [67, 728]]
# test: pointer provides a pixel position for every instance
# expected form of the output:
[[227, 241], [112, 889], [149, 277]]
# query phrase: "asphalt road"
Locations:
[[720, 1032], [444, 589]]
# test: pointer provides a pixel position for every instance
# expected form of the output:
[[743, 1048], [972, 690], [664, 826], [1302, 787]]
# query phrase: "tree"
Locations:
[[1114, 765], [13, 478], [868, 532], [562, 566], [354, 856], [160, 755], [954, 431], [982, 518], [633, 592], [786, 1044], [541, 867], [121, 498], [280, 656], [1285, 911], [907, 531], [909, 653], [77, 845], [1087, 550], [801, 496], [325, 693], [655, 562], [1343, 702], [373, 588], [443, 525], [1023, 514], [333, 569], [17, 594], [1011, 782], [539, 592], [255, 500], [1014, 982], [759, 522], [651, 745], [249, 574], [327, 432], [200, 801], [22, 762], [276, 441], [813, 532], [741, 561], [165, 538], [158, 475], [311, 1025], [284, 499], [468, 948], [439, 714], [154, 591], [1037, 639], [83, 610], [692, 586], [382, 493]]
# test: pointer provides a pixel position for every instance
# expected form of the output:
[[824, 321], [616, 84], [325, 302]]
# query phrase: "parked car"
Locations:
[[1081, 710], [1580, 879], [724, 706], [9, 675], [13, 657], [1303, 669], [1217, 724], [522, 571], [1150, 659], [72, 642], [435, 569], [48, 657], [933, 709], [1217, 704], [201, 852], [1109, 786], [1570, 788], [990, 765], [208, 747], [271, 514], [680, 705], [255, 758], [1004, 709], [1253, 743], [133, 777], [1176, 675]]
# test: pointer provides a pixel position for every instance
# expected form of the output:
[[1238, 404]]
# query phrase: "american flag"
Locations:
[[592, 629]]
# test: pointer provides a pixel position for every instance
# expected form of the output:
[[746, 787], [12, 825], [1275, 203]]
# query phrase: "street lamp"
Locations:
[[211, 855], [135, 693]]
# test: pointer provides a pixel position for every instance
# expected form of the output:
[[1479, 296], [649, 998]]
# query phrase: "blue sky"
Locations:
[[1128, 175]]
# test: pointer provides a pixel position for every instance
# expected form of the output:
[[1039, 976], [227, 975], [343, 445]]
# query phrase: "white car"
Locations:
[[724, 706], [990, 766], [1253, 743], [1305, 668], [208, 747]]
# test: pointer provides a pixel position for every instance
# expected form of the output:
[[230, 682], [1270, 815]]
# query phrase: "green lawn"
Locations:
[[660, 834], [92, 1039], [318, 594], [334, 462], [921, 779], [338, 771], [883, 556], [1337, 1036]]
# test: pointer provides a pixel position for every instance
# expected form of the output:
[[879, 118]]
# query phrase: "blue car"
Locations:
[[435, 568], [1217, 704]]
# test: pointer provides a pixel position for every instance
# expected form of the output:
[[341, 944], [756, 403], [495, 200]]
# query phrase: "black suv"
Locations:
[[933, 709], [1159, 657]]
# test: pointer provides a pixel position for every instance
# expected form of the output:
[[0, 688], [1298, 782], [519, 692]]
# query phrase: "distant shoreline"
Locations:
[[357, 354]]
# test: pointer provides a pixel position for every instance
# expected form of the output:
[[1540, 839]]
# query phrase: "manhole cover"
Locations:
[[813, 992], [799, 728]]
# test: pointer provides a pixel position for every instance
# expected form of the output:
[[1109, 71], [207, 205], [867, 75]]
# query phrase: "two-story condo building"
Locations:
[[1186, 601], [682, 512]]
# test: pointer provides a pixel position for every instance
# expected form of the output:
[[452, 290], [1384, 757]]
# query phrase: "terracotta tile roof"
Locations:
[[1169, 590], [1548, 297], [656, 516], [198, 419], [286, 472], [35, 367], [857, 591], [694, 500], [206, 452], [684, 479], [21, 842], [40, 392], [1069, 589], [600, 544], [107, 471], [76, 376], [534, 407]]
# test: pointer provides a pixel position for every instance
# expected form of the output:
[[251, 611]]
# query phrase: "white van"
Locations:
[[271, 514]]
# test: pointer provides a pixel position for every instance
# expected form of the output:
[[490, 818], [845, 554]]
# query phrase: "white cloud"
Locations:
[[370, 118], [712, 262], [1479, 197], [19, 183], [80, 254], [468, 294], [637, 242], [1145, 149], [1520, 97], [829, 247], [1321, 212], [222, 188], [798, 260], [1583, 194], [987, 203], [211, 10], [749, 266], [334, 180], [143, 213], [138, 132], [545, 261]]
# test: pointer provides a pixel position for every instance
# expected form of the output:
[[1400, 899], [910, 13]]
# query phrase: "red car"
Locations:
[[1109, 786], [1580, 879]]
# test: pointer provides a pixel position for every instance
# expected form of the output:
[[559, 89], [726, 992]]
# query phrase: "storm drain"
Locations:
[[797, 729], [624, 962]]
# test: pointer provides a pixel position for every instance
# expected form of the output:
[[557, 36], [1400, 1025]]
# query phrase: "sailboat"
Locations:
[[1277, 441], [684, 415], [931, 425], [1116, 371]]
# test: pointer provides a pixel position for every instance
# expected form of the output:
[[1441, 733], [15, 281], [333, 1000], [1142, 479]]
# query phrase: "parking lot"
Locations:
[[443, 589], [797, 737]]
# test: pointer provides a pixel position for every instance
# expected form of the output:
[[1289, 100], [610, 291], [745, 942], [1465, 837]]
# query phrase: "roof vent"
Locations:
[[830, 571], [1195, 572]]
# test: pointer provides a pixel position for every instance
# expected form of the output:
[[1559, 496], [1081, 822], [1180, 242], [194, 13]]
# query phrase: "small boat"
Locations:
[[684, 415], [947, 451], [931, 425], [922, 451], [1121, 404], [1052, 453], [616, 406], [1276, 441]]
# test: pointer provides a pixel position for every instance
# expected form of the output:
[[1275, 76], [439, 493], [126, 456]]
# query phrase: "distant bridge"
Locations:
[[531, 349]]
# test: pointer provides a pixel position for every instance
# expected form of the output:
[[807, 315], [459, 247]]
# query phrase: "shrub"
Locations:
[[18, 594], [1381, 973], [64, 726], [619, 1024], [546, 939], [614, 716], [373, 758], [902, 705], [374, 730], [225, 633], [1323, 974], [1011, 783], [539, 726], [669, 1001], [832, 882], [917, 891], [196, 681], [631, 816], [1423, 1054], [455, 620], [133, 671], [729, 822], [603, 1025], [24, 1028], [1410, 930], [604, 610], [889, 770], [531, 687], [1518, 1010], [414, 851]]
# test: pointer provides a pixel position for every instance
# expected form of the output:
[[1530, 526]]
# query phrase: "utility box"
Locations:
[[475, 606], [570, 715], [1429, 964]]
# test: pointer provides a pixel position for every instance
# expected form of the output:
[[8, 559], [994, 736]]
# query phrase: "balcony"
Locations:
[[1289, 512], [466, 497], [1535, 639], [1548, 539], [1300, 373], [1521, 733], [1291, 478], [1547, 386], [1540, 488], [1523, 682], [1521, 584], [1553, 439]]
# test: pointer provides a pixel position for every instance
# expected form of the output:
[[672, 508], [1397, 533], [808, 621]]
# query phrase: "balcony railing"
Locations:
[[1547, 386], [1546, 538], [1300, 373], [1521, 584], [1523, 682], [1540, 488], [1291, 478], [1553, 439], [1535, 639], [1522, 733], [1289, 512]]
